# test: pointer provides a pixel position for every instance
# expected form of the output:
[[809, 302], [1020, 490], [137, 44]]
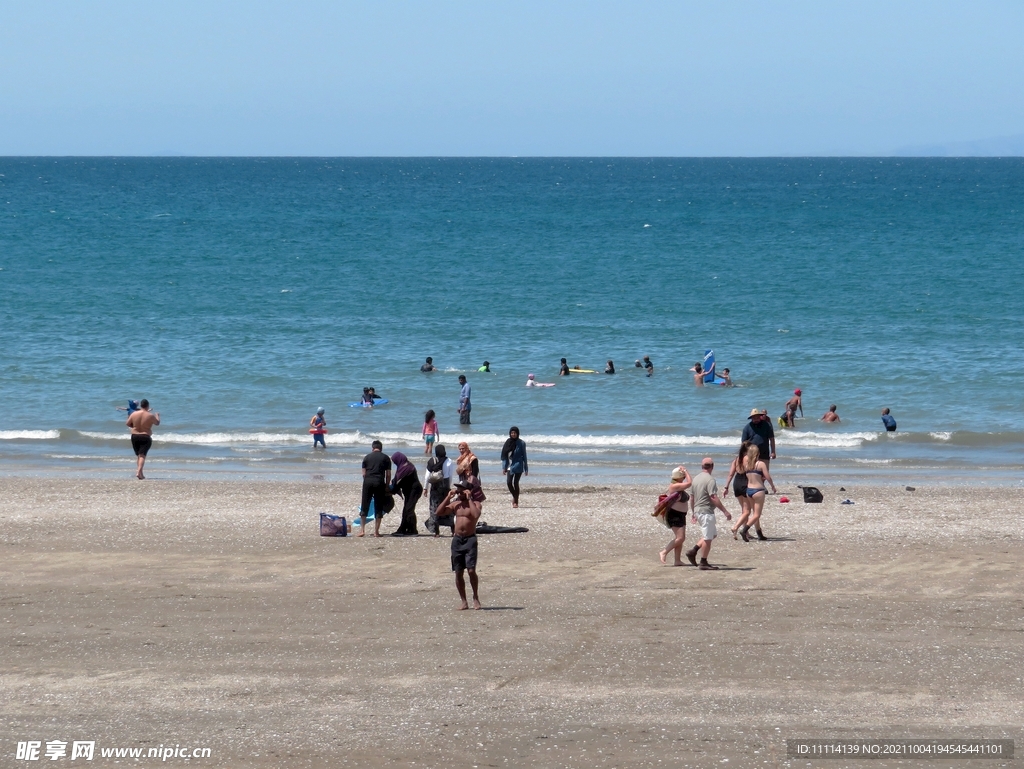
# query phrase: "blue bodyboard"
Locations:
[[709, 364]]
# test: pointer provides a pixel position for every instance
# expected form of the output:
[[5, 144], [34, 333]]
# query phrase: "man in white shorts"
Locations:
[[703, 501]]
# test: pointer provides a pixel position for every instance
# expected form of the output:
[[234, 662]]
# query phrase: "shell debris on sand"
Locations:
[[213, 614]]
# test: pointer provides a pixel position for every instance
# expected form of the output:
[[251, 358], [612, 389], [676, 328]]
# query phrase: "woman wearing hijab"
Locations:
[[464, 464], [406, 483], [513, 462], [468, 468], [439, 482]]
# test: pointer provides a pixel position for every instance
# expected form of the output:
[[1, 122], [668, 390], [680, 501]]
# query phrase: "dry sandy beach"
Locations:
[[211, 614]]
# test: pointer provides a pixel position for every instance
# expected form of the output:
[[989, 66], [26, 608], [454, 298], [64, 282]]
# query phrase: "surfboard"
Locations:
[[380, 402], [709, 362], [582, 371]]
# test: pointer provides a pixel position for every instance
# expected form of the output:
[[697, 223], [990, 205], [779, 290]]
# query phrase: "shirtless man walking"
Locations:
[[141, 423], [467, 513]]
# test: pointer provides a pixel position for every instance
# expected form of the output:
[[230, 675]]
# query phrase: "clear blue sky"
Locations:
[[506, 78]]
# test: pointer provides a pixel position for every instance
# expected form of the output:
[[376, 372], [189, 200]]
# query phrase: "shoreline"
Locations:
[[565, 476]]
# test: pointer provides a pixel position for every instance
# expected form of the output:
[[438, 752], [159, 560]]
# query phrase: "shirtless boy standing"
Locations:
[[467, 513], [141, 423]]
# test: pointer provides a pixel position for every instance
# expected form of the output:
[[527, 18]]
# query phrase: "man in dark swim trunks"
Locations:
[[460, 503], [465, 400], [794, 404], [141, 423]]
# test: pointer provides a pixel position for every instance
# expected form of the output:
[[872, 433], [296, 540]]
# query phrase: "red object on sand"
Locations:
[[783, 500]]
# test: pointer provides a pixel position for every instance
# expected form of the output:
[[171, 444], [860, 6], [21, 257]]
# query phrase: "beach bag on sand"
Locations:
[[333, 525], [812, 494]]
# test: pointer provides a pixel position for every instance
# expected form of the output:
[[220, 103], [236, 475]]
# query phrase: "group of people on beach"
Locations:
[[455, 494], [749, 476], [698, 495], [453, 491]]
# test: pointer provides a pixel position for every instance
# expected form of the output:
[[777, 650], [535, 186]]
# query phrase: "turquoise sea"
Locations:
[[238, 295]]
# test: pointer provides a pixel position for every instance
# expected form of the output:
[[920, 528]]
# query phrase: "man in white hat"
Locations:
[[703, 501], [760, 432]]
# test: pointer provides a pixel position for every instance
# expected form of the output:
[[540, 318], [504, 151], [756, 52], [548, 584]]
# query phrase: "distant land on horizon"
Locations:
[[1000, 146]]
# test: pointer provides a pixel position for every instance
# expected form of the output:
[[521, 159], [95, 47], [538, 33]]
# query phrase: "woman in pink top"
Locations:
[[430, 431]]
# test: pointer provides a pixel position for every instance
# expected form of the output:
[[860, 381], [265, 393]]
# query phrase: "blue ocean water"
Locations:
[[238, 295]]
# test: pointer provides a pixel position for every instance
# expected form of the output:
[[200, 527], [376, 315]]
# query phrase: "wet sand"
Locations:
[[211, 614]]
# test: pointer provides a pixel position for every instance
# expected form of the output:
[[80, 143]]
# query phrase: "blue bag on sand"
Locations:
[[333, 525]]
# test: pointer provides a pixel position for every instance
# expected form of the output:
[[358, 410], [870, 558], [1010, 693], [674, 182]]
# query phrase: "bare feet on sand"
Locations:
[[361, 534], [662, 554], [476, 604]]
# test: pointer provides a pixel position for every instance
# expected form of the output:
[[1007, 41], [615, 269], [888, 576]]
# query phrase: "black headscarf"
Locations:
[[510, 444], [436, 462]]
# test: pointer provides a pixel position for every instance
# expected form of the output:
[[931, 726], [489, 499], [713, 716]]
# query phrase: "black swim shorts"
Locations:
[[463, 552], [675, 518], [142, 444]]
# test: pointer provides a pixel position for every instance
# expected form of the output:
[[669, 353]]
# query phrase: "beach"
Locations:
[[211, 614]]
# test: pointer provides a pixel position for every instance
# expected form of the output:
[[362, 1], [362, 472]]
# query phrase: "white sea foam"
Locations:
[[941, 436], [554, 443], [825, 440], [29, 435]]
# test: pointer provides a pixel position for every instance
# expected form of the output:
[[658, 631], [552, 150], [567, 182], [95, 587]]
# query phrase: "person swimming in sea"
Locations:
[[610, 368], [486, 368], [888, 421], [531, 382], [698, 374]]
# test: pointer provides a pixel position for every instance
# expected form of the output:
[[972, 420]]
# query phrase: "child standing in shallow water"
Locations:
[[430, 431]]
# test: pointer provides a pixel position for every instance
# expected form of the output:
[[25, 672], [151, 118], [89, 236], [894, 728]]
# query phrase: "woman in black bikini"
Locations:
[[675, 517], [738, 479]]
